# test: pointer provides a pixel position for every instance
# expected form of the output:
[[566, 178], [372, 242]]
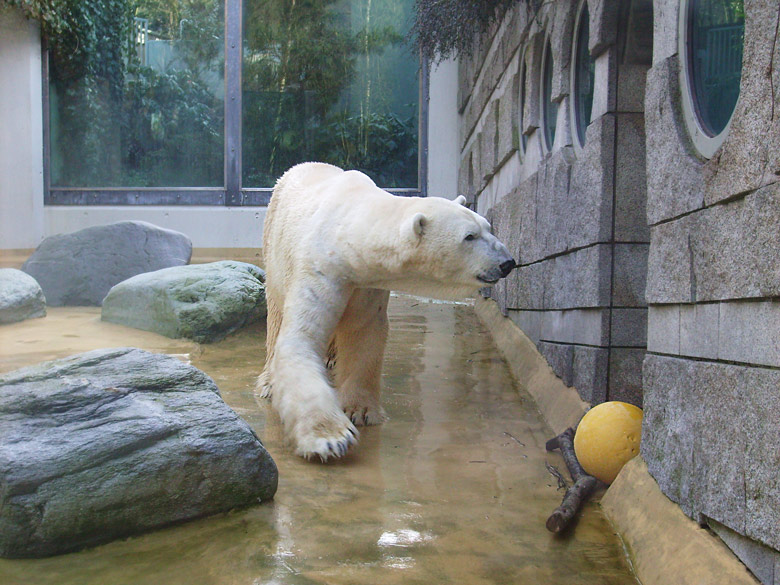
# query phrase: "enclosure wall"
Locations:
[[572, 213], [711, 376], [649, 264], [21, 138]]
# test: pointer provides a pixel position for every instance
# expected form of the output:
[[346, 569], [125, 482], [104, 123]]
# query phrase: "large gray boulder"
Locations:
[[79, 268], [112, 442], [202, 302], [21, 296]]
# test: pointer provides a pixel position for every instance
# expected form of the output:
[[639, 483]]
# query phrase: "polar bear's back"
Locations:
[[297, 197], [307, 187], [298, 182], [293, 198], [302, 177], [316, 207]]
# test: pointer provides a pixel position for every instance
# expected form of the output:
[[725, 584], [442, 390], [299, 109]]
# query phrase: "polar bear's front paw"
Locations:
[[326, 437], [365, 415]]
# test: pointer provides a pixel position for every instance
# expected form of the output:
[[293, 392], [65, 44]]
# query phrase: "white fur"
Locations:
[[334, 246]]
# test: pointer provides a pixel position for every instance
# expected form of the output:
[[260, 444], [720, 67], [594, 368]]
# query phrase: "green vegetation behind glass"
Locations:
[[137, 91]]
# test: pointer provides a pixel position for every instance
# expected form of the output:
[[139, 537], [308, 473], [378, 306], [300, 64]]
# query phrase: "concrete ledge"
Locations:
[[665, 546], [208, 226], [205, 255], [15, 257], [560, 405]]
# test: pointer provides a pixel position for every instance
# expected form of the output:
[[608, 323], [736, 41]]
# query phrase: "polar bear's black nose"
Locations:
[[507, 267]]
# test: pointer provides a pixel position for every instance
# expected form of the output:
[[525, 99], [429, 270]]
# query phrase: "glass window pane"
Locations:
[[716, 29], [521, 106], [141, 103], [584, 76], [550, 108], [330, 81]]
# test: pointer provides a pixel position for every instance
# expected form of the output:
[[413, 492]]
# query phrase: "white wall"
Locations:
[[21, 132], [443, 120], [207, 227]]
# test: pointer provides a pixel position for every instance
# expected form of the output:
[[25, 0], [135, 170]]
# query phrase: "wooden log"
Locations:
[[579, 492]]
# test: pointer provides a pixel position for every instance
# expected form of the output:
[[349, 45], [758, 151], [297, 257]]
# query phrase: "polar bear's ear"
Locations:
[[415, 225], [460, 200]]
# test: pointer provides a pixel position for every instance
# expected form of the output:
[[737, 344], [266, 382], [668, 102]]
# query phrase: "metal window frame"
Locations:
[[233, 193]]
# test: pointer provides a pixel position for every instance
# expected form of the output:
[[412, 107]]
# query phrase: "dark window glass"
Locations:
[[143, 113], [715, 39], [584, 75], [550, 108], [523, 137], [331, 81]]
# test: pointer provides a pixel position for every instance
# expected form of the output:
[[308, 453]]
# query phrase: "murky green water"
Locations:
[[452, 489]]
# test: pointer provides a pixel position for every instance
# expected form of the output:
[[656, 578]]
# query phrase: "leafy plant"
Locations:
[[311, 94], [85, 37], [448, 28], [171, 125], [383, 145]]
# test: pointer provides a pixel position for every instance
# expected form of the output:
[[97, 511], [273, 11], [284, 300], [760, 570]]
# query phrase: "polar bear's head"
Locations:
[[451, 252]]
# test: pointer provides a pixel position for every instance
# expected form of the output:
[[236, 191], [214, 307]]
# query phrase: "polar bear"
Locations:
[[334, 245]]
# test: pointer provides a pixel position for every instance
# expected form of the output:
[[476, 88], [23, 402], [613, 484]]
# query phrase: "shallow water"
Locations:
[[453, 488]]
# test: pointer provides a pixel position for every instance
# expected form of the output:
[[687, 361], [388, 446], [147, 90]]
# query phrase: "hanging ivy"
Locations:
[[84, 37], [449, 28]]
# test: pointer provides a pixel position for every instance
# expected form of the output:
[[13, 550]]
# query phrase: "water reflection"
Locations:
[[452, 489]]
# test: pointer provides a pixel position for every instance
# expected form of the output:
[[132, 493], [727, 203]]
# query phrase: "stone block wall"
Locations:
[[574, 215], [711, 435], [649, 267]]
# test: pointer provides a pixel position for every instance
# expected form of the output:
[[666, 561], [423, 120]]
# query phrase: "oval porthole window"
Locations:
[[713, 35], [584, 76], [521, 107], [549, 107]]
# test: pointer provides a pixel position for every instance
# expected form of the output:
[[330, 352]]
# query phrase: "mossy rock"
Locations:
[[115, 442], [202, 302]]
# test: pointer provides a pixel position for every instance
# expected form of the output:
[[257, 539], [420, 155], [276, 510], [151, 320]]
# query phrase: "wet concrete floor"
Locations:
[[452, 489]]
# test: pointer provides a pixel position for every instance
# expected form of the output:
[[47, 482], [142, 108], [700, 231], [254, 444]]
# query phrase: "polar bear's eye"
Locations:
[[470, 237]]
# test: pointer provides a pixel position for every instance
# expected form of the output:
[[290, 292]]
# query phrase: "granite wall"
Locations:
[[711, 435], [574, 214], [649, 272]]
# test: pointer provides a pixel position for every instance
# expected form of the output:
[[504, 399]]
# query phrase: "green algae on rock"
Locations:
[[202, 302], [113, 442]]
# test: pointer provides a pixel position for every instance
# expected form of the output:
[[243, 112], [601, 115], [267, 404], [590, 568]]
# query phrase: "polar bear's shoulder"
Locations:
[[324, 184], [311, 174], [308, 174]]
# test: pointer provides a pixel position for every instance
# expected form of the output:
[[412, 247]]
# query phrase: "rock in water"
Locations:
[[202, 302], [80, 268], [21, 296], [114, 442]]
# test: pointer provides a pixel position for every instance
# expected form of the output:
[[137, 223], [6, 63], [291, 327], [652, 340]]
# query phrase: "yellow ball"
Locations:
[[607, 438]]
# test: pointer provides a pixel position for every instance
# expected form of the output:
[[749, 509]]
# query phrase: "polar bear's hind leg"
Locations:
[[273, 324], [360, 341]]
